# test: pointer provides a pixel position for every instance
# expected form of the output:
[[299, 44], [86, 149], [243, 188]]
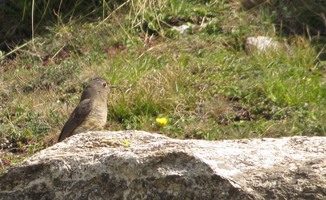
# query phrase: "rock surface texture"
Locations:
[[141, 165]]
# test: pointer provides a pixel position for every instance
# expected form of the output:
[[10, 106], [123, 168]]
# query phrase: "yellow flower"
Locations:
[[162, 121]]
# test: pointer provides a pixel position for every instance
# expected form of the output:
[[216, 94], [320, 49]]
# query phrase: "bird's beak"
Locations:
[[113, 86]]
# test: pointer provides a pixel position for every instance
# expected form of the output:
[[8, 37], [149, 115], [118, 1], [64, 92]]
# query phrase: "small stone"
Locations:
[[181, 29], [261, 44]]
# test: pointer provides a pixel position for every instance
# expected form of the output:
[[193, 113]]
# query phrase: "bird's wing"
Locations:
[[76, 118]]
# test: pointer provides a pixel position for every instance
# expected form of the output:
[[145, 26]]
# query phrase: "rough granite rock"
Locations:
[[141, 165]]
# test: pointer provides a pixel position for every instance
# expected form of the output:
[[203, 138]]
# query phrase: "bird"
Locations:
[[91, 111]]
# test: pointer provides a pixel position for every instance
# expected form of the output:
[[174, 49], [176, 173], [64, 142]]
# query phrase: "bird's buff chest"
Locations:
[[96, 119]]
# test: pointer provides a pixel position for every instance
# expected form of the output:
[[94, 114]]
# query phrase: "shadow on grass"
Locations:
[[19, 18]]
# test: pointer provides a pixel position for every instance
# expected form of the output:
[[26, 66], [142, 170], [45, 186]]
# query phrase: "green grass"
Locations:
[[203, 82]]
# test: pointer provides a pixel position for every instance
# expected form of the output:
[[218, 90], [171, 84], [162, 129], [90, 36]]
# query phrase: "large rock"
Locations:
[[140, 165]]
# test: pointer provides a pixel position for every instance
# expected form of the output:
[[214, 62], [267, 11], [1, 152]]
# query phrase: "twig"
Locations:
[[112, 13], [14, 50]]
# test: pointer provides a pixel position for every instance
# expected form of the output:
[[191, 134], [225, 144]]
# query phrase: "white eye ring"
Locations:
[[105, 84]]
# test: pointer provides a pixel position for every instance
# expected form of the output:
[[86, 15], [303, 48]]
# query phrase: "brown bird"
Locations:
[[91, 112]]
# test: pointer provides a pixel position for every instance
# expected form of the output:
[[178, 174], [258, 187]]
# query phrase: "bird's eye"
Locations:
[[104, 84]]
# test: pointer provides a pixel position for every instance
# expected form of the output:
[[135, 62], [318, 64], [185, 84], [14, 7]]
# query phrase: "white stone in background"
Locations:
[[182, 29], [261, 44], [141, 165]]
